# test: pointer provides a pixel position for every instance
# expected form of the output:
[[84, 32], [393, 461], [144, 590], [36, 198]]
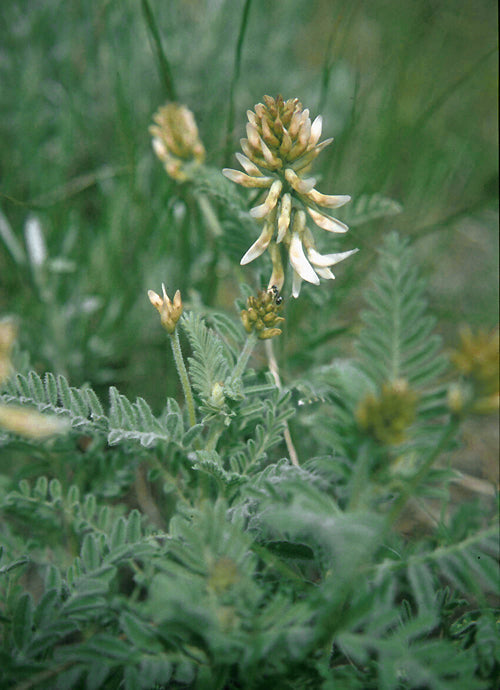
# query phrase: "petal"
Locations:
[[327, 200], [269, 157], [302, 186], [286, 143], [247, 180], [322, 260], [299, 261], [251, 153], [278, 275], [270, 202], [296, 283], [327, 222], [252, 117], [305, 132], [295, 124], [260, 245], [309, 156], [316, 128], [247, 165], [253, 136], [325, 273], [155, 299], [284, 217], [159, 148]]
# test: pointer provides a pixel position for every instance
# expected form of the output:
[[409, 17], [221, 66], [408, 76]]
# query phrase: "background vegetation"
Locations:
[[409, 91]]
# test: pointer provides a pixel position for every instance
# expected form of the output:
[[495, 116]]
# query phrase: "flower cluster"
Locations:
[[280, 147], [176, 141], [388, 415], [170, 311], [477, 359], [262, 314]]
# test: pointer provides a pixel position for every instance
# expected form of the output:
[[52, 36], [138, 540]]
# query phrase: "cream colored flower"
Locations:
[[280, 147], [8, 333], [30, 423], [176, 141], [19, 420], [170, 311]]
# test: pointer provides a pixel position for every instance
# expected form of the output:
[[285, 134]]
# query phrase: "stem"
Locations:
[[181, 370], [163, 64], [244, 357], [360, 478], [234, 80], [274, 369], [448, 433]]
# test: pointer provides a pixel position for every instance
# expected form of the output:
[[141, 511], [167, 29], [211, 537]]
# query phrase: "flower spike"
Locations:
[[279, 148]]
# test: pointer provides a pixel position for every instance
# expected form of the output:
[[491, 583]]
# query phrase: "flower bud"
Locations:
[[262, 313], [170, 312], [176, 141], [387, 415]]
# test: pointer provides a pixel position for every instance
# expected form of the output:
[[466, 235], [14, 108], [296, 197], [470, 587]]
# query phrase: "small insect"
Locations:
[[278, 299]]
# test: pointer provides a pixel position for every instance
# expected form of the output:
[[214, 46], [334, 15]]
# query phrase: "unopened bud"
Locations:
[[170, 311]]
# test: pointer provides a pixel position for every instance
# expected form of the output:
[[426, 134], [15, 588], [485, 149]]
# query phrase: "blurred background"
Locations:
[[89, 220]]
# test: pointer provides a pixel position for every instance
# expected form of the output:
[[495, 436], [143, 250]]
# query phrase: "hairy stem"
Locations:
[[274, 369], [448, 433], [244, 357], [181, 370]]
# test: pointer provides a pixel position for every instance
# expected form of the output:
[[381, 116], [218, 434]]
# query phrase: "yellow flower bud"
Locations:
[[388, 415], [170, 312], [477, 358], [262, 313]]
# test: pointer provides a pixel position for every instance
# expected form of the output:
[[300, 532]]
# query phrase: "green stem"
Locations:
[[214, 436], [181, 370], [163, 64], [448, 433], [234, 80], [244, 357], [360, 480]]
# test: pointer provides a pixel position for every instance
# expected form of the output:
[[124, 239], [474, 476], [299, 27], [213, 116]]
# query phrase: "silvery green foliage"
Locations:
[[167, 556]]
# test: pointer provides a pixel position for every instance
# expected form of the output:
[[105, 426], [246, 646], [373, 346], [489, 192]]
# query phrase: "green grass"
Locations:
[[407, 89]]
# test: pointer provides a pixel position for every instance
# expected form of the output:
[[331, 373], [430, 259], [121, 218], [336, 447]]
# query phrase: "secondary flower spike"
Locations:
[[176, 141], [279, 150]]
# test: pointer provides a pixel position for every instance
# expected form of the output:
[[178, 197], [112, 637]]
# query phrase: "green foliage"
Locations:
[[209, 365], [370, 207], [277, 542], [398, 340]]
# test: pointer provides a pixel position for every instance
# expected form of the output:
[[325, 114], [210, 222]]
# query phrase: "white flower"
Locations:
[[280, 147]]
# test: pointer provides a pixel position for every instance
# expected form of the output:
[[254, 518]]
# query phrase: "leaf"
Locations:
[[288, 549], [423, 586], [191, 435], [209, 364], [397, 340], [90, 553], [45, 610], [370, 207], [118, 534], [134, 526], [22, 621], [140, 634]]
